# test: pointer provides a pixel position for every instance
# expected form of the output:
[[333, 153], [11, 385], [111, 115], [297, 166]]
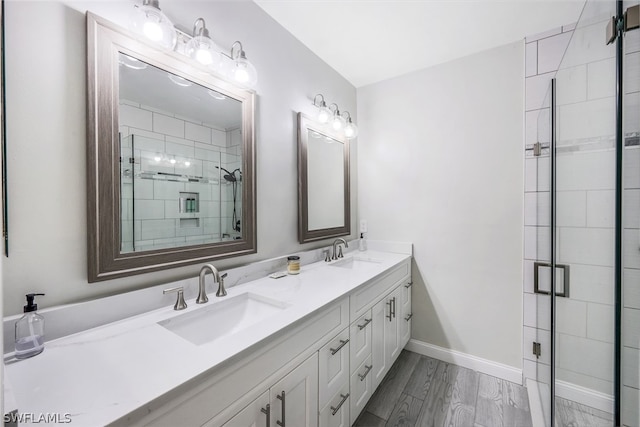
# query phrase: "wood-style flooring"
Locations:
[[572, 414], [420, 391]]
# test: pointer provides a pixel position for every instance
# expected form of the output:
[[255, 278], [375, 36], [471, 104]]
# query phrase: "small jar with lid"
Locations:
[[293, 264]]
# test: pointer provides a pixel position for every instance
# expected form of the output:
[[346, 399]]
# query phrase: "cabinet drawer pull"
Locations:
[[364, 325], [408, 317], [408, 285], [281, 397], [363, 376], [342, 344], [267, 412], [337, 408], [388, 316]]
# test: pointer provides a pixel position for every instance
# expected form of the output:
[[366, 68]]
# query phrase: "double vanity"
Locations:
[[300, 350]]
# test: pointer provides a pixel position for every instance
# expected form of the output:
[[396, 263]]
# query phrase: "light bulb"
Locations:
[[157, 157], [187, 163], [244, 72], [149, 21], [337, 122], [172, 161], [203, 50], [324, 114], [350, 130]]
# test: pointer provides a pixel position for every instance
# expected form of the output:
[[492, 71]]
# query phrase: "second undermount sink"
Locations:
[[223, 318], [355, 262]]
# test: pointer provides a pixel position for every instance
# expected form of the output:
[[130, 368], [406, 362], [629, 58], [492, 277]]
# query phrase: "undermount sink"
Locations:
[[223, 318], [355, 262]]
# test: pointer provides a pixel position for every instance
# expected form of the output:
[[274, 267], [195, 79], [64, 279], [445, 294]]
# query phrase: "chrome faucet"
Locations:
[[336, 242], [202, 294]]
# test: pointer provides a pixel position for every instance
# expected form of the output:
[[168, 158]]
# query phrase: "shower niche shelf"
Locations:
[[188, 202]]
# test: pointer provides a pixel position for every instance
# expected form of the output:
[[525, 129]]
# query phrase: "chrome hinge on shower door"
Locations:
[[629, 21], [537, 349]]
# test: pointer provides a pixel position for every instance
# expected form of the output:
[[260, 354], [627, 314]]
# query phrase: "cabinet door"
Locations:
[[253, 415], [406, 314], [336, 413], [391, 326], [333, 369], [379, 314], [360, 334], [362, 387], [294, 399]]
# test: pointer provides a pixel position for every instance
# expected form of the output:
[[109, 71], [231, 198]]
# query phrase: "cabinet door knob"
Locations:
[[337, 349]]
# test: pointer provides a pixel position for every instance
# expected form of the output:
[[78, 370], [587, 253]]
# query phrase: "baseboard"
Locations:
[[465, 360], [585, 396]]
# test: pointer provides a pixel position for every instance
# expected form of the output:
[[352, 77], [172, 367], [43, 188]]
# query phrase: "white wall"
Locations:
[[46, 143], [440, 164]]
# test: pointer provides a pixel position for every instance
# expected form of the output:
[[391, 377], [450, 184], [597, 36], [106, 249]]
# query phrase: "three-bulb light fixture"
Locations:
[[150, 22], [332, 117]]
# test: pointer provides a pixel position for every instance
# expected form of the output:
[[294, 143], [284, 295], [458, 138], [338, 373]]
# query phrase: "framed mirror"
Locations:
[[170, 159], [324, 209]]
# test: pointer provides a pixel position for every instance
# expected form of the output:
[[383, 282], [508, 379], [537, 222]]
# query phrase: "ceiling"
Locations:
[[367, 41]]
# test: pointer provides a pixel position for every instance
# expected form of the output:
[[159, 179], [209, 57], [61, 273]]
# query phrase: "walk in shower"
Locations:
[[582, 275]]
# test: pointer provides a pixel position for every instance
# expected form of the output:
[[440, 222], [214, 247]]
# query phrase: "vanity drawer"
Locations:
[[360, 333], [363, 299], [333, 369], [336, 413], [361, 388]]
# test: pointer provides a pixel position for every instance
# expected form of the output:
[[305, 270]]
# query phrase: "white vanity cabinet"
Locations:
[[294, 399], [405, 314], [257, 413], [333, 367]]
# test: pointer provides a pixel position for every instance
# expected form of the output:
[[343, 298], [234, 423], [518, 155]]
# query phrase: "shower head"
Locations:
[[231, 176]]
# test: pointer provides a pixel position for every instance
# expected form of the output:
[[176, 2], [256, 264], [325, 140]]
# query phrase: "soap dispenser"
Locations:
[[29, 330], [362, 243]]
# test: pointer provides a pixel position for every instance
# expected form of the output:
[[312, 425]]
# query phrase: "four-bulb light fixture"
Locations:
[[332, 117], [150, 22]]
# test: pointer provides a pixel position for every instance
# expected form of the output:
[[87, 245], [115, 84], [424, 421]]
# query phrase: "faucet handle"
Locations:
[[340, 252], [327, 257], [221, 290], [180, 303]]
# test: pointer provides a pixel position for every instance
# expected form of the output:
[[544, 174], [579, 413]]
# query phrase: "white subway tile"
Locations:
[[212, 226], [188, 230], [210, 209], [197, 133], [601, 208], [538, 91], [631, 248], [631, 293], [551, 50], [149, 164], [593, 246], [537, 126], [180, 151], [528, 276], [571, 84], [157, 229], [537, 174], [600, 320], [585, 380], [203, 190], [631, 167], [208, 155], [536, 243], [593, 170], [218, 138], [127, 232], [631, 327], [570, 27], [571, 209], [146, 143], [537, 208], [531, 59], [631, 113], [571, 317], [587, 46], [537, 311], [531, 335], [586, 120], [149, 209], [591, 283], [167, 190], [601, 79], [135, 117], [630, 367], [181, 141], [545, 34], [630, 406], [168, 125], [571, 356], [143, 188], [631, 205]]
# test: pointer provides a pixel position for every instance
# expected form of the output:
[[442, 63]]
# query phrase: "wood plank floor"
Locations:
[[420, 391]]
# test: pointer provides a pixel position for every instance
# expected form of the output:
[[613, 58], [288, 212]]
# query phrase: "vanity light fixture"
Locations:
[[216, 95], [133, 63], [242, 71], [201, 48], [350, 129], [337, 121], [324, 113], [149, 21], [180, 81]]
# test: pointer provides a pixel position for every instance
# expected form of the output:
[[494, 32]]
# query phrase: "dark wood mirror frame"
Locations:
[[105, 259], [306, 123]]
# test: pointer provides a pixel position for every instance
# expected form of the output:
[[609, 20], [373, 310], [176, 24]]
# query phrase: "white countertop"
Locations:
[[102, 374]]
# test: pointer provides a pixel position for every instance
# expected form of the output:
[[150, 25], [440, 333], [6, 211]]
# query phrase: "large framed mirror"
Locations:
[[170, 159], [324, 209]]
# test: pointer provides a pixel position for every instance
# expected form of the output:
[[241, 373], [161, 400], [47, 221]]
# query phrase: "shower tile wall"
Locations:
[[585, 208], [631, 236], [157, 222]]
